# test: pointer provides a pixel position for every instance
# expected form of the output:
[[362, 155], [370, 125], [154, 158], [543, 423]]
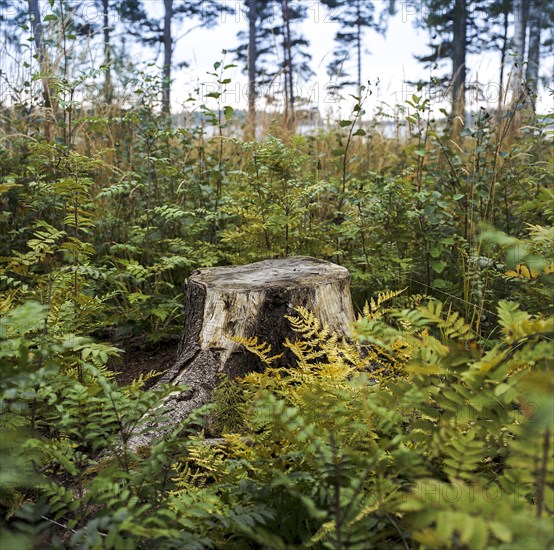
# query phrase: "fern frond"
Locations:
[[452, 326], [373, 310], [323, 532], [262, 351], [463, 453], [518, 324], [307, 324]]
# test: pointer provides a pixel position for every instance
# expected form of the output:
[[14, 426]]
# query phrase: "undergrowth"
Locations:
[[412, 435], [429, 428]]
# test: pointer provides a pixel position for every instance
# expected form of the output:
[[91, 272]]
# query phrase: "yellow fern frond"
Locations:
[[324, 531], [373, 310], [305, 323], [262, 351]]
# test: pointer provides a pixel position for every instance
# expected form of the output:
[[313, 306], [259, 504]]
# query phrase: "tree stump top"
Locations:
[[283, 273]]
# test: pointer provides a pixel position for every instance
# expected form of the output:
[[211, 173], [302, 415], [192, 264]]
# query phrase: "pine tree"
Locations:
[[129, 14], [354, 17], [254, 51], [279, 58], [521, 16], [455, 33], [42, 54], [252, 55], [156, 31], [540, 17]]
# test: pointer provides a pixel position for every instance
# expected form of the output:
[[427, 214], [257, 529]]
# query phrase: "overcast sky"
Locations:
[[389, 59]]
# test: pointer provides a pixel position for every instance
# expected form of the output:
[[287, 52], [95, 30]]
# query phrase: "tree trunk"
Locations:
[[247, 301], [252, 56], [42, 57], [533, 55], [168, 55], [503, 51], [459, 45], [359, 46], [288, 66], [521, 10], [108, 90]]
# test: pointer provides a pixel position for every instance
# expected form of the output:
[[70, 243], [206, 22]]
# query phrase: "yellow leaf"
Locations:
[[5, 187]]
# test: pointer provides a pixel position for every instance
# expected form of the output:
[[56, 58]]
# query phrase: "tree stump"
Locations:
[[246, 301]]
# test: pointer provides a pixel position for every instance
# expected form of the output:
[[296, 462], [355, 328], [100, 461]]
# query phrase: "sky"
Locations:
[[389, 60]]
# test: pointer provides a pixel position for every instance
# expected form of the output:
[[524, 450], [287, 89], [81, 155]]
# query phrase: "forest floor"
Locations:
[[142, 358]]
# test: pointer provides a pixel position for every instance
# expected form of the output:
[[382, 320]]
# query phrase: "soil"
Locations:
[[143, 358]]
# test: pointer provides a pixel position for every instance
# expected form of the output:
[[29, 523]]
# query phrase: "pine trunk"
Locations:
[[168, 55], [533, 56], [252, 56], [288, 66], [108, 89], [503, 50], [521, 11], [359, 47], [459, 47], [44, 65]]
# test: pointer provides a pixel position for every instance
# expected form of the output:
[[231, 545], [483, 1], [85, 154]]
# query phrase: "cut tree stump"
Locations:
[[246, 301]]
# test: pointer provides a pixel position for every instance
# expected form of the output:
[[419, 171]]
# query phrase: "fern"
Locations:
[[450, 323], [307, 324], [373, 309], [262, 351]]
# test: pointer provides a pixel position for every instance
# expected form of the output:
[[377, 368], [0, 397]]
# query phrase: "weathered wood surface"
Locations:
[[250, 300]]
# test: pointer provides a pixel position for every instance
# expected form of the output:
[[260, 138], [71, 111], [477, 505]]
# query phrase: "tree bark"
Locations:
[[43, 62], [521, 11], [533, 55], [503, 51], [252, 56], [168, 56], [108, 90], [359, 47], [246, 301], [288, 65], [459, 46]]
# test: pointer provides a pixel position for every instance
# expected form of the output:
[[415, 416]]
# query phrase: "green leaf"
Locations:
[[345, 123], [438, 266], [228, 112], [435, 251], [479, 536], [51, 17], [501, 531]]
